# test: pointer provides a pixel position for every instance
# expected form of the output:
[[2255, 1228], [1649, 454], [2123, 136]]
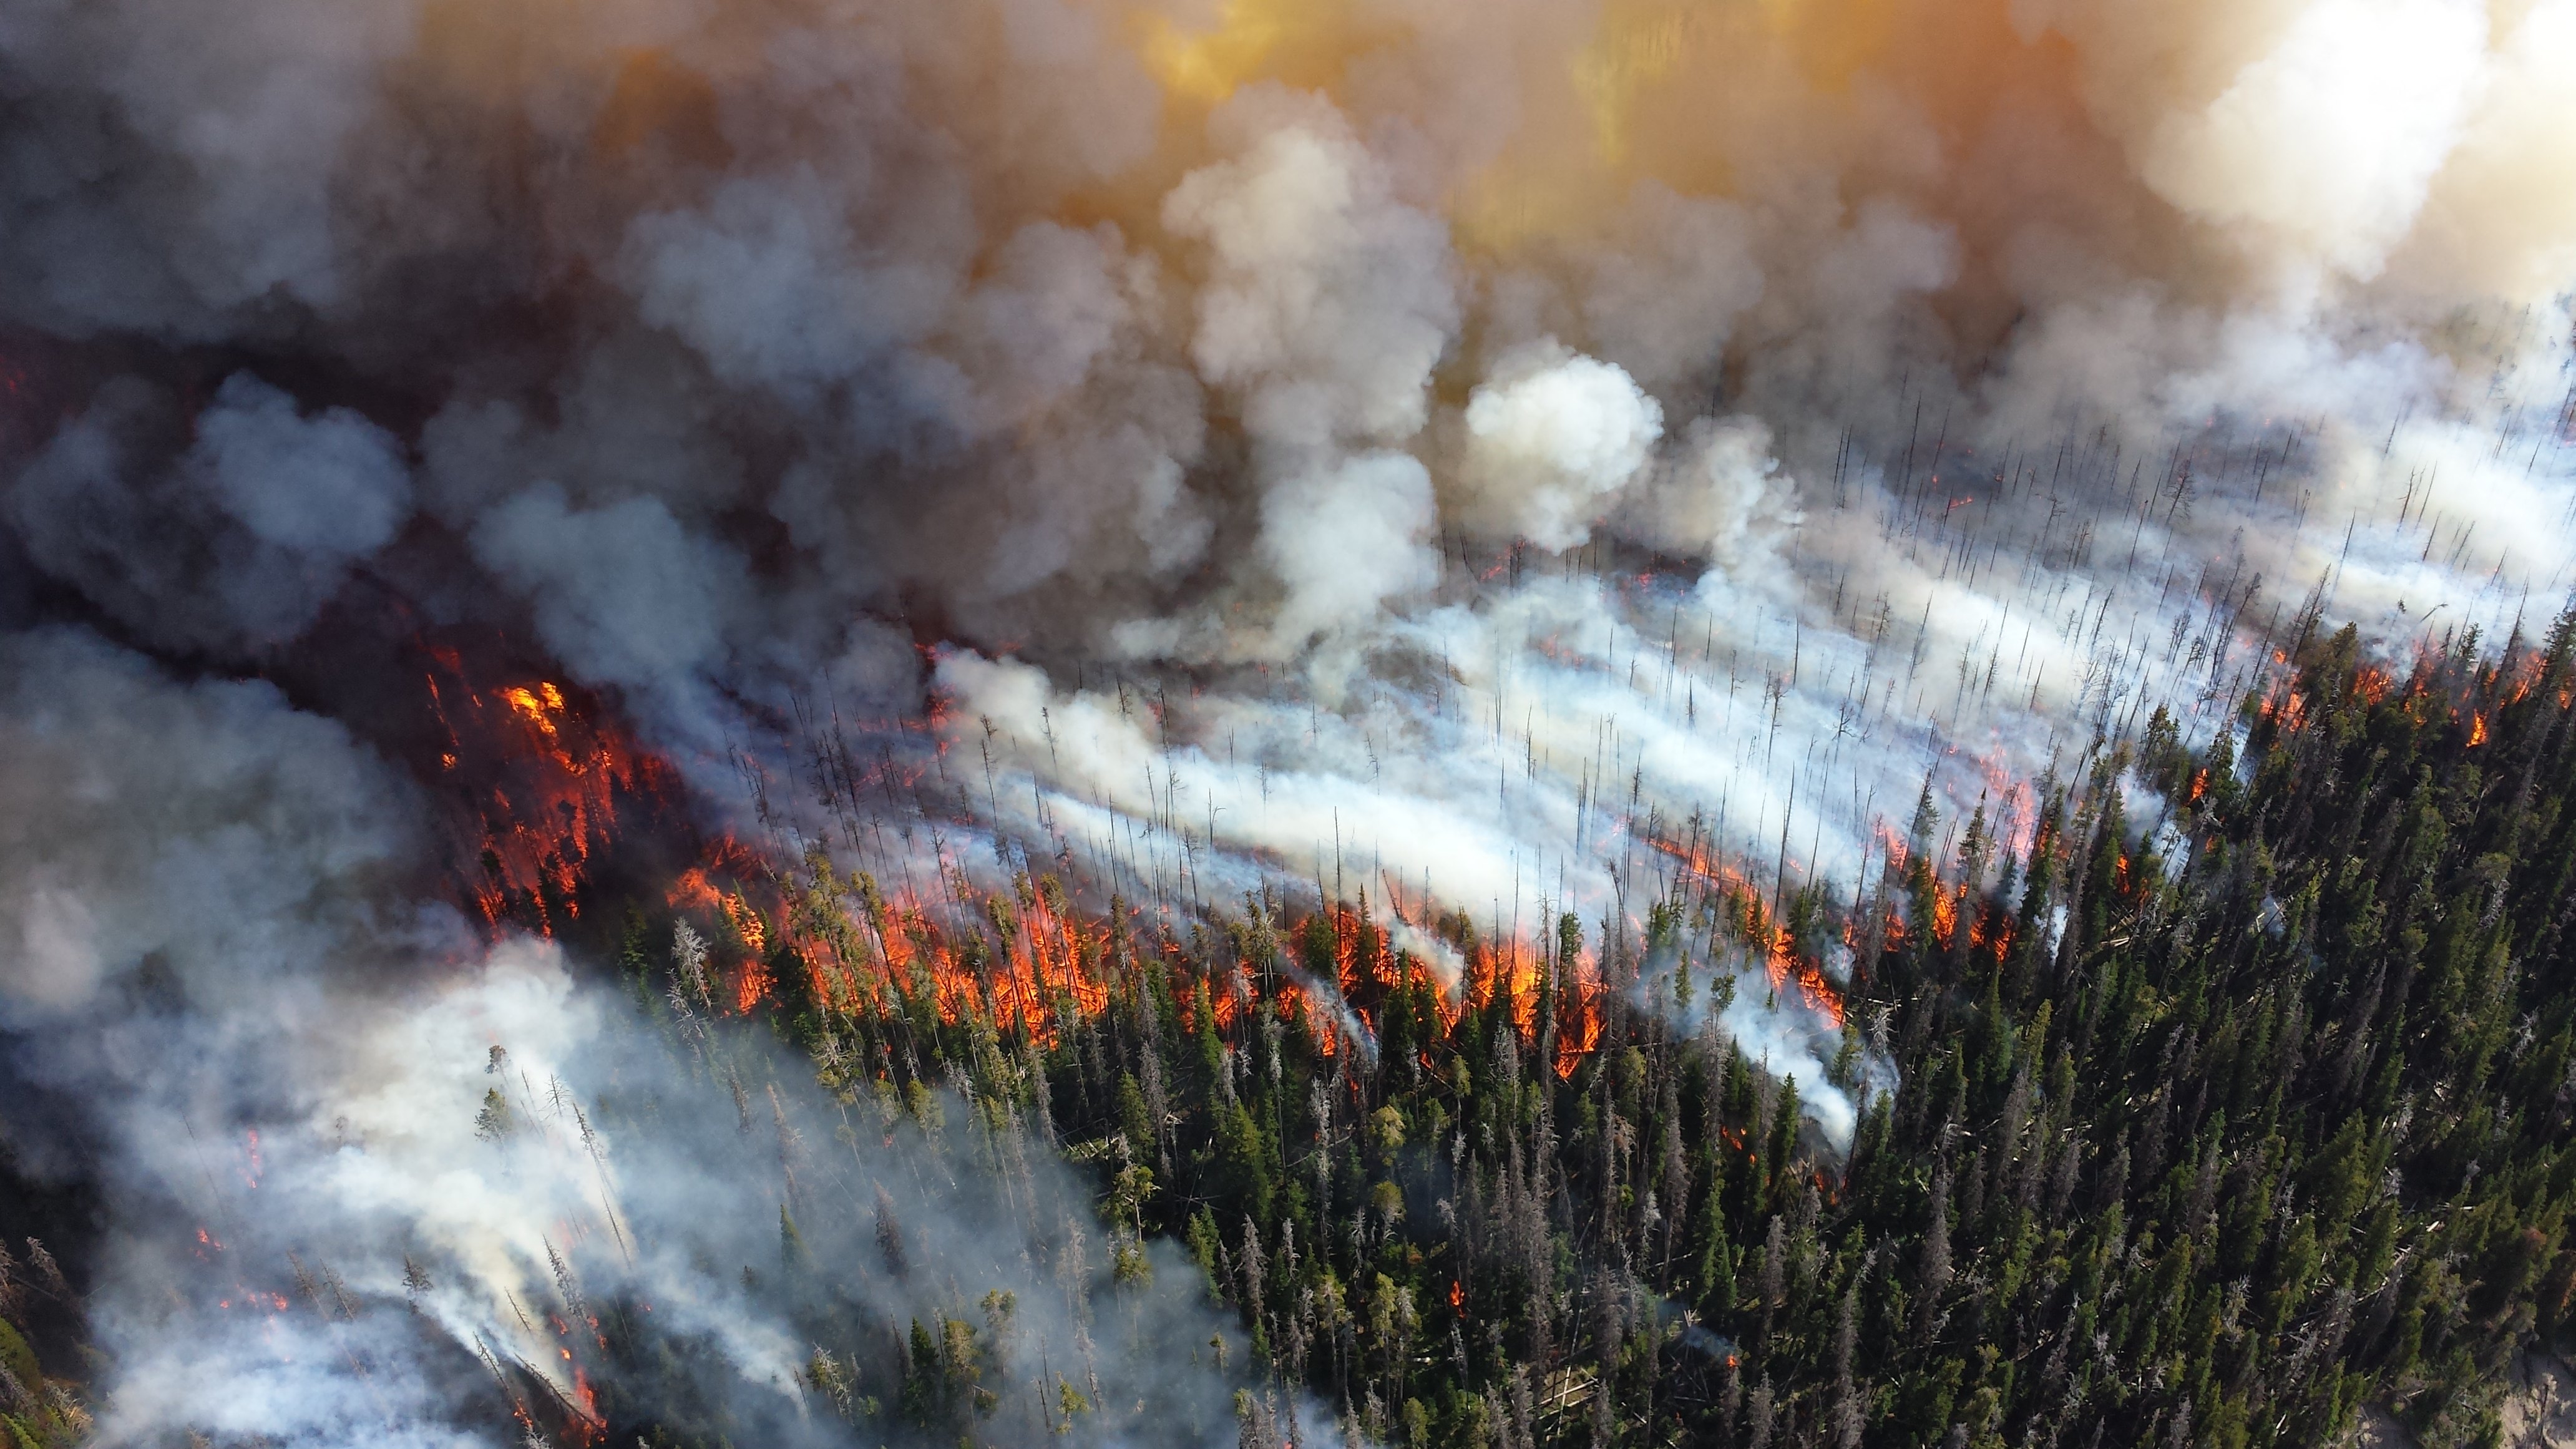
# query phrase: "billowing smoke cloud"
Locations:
[[1549, 437], [232, 538], [181, 843], [1533, 455], [622, 594]]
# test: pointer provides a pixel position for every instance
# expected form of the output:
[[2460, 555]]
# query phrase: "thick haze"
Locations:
[[1449, 447]]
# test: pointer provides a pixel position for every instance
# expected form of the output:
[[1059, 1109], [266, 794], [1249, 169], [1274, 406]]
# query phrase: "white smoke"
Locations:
[[1551, 438], [1344, 540], [2321, 150]]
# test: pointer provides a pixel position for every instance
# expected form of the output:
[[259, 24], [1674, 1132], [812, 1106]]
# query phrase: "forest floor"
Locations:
[[2538, 1409]]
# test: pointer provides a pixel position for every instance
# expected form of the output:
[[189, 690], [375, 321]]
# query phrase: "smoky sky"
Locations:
[[694, 333]]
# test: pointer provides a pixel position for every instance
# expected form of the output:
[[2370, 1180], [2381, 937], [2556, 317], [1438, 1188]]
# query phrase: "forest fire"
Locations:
[[570, 708], [1819, 994], [1945, 916], [1028, 965], [1992, 933], [2445, 685], [534, 780], [1792, 974], [1030, 961]]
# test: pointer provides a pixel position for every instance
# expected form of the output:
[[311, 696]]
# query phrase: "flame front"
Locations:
[[1793, 975]]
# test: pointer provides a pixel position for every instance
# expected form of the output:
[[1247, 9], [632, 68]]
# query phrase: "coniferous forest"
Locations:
[[2234, 1102]]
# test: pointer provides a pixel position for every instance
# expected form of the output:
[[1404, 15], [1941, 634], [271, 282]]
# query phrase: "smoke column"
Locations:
[[1496, 459]]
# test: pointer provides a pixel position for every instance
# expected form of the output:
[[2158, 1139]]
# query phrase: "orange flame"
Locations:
[[2287, 711], [1789, 971], [1046, 965], [1578, 1028], [1992, 933], [538, 781]]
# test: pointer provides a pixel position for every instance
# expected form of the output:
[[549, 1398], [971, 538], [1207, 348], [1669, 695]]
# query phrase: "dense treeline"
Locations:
[[2215, 1123]]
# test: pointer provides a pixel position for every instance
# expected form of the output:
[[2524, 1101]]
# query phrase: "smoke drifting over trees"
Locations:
[[1417, 472]]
